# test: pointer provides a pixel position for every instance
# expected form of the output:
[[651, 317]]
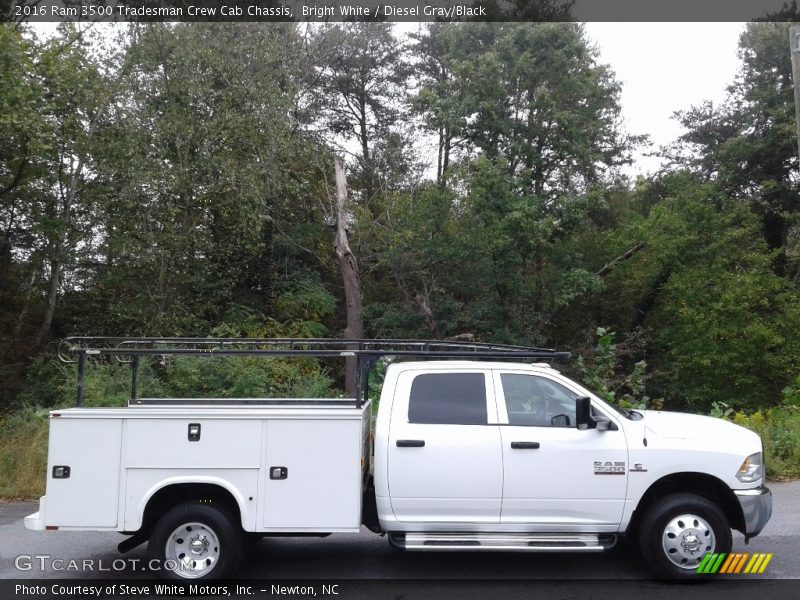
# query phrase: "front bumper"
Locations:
[[756, 506]]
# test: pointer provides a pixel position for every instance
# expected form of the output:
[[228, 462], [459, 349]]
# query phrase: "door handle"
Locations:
[[410, 443], [524, 445]]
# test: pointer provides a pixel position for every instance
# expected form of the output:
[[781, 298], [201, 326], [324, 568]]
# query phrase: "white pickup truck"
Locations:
[[484, 455]]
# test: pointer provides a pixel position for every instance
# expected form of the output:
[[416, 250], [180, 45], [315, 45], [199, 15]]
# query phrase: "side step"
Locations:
[[519, 542]]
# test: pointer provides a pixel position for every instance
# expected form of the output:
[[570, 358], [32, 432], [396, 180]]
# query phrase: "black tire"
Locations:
[[212, 541], [250, 542], [707, 530]]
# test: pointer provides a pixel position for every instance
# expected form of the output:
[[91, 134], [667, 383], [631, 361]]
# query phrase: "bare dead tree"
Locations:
[[348, 266], [607, 268]]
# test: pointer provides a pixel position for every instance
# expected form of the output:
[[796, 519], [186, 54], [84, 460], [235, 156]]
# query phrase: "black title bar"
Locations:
[[395, 11]]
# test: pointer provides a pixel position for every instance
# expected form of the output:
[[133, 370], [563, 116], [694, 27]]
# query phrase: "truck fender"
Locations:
[[707, 485], [186, 479]]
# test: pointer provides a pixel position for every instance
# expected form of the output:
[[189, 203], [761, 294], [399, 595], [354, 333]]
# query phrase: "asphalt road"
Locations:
[[365, 556]]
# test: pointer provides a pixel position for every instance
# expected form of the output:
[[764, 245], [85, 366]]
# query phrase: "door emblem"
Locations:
[[609, 468]]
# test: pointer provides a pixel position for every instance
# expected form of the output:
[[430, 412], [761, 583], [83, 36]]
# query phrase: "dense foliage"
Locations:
[[177, 179]]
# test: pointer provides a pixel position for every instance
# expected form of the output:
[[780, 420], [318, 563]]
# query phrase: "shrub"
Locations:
[[779, 428], [23, 454]]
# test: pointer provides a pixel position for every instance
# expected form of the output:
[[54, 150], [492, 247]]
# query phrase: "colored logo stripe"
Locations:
[[701, 568], [768, 557], [723, 562], [727, 564]]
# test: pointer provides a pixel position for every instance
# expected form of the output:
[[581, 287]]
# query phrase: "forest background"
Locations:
[[178, 179]]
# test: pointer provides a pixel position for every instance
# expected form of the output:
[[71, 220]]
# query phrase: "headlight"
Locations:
[[751, 469]]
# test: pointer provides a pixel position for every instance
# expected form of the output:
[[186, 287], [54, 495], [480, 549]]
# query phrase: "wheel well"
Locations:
[[172, 495], [702, 484]]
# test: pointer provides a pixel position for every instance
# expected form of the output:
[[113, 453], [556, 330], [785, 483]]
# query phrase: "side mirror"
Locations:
[[583, 412], [604, 424]]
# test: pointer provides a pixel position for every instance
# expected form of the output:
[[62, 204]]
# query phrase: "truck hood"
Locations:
[[682, 426]]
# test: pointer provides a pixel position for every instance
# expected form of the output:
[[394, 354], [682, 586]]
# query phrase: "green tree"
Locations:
[[47, 125], [747, 145], [535, 96], [203, 170], [717, 320], [55, 93], [440, 109], [536, 122], [359, 76]]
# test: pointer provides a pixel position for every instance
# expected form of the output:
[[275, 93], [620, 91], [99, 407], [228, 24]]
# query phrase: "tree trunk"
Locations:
[[423, 305], [439, 169], [5, 258], [352, 280], [448, 140], [52, 299], [22, 315], [59, 257], [266, 269], [367, 173]]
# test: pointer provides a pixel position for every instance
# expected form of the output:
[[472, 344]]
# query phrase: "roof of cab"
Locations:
[[471, 364]]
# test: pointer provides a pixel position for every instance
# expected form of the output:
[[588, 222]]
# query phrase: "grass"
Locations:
[[23, 455]]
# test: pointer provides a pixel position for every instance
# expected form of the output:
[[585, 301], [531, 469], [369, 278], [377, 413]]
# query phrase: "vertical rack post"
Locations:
[[360, 384], [81, 371], [365, 364], [134, 376]]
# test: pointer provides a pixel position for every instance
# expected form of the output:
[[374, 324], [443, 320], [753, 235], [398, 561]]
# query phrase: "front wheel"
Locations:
[[195, 541], [678, 531]]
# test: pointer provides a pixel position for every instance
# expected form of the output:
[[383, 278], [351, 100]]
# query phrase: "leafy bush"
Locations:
[[779, 428], [602, 371], [250, 377], [47, 382], [791, 393], [108, 381], [720, 410], [305, 301]]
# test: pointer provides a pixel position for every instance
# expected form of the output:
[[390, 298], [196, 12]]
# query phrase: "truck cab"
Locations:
[[477, 455]]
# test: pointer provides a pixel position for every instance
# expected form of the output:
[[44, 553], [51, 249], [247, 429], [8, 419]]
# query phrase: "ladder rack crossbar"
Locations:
[[365, 352]]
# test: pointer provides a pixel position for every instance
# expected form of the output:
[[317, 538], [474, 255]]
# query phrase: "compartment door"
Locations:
[[91, 449], [319, 487]]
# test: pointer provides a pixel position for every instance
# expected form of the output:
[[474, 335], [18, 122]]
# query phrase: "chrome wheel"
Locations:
[[686, 540], [192, 550]]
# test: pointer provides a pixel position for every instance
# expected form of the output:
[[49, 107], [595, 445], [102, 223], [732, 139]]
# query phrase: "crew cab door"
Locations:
[[556, 477], [444, 459]]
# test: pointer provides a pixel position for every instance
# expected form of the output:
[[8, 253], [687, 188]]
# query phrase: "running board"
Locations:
[[519, 542]]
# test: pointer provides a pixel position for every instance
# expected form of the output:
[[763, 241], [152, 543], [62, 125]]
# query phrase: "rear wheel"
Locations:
[[196, 541], [678, 531]]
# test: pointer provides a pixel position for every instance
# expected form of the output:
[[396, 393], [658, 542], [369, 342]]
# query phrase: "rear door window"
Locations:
[[448, 398]]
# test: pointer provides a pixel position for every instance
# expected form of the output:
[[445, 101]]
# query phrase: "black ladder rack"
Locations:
[[365, 352]]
